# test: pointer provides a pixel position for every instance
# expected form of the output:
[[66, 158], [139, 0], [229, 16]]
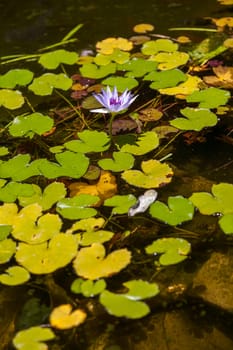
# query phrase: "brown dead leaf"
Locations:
[[150, 114], [106, 187], [223, 77]]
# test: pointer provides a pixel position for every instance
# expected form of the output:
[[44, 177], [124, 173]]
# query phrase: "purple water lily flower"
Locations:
[[112, 102]]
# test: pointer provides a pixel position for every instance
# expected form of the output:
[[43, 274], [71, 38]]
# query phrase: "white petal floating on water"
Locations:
[[143, 202]]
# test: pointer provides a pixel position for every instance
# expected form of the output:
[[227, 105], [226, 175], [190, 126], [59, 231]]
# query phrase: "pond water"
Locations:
[[194, 308]]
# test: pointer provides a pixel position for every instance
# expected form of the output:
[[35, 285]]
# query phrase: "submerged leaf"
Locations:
[[154, 174], [91, 262]]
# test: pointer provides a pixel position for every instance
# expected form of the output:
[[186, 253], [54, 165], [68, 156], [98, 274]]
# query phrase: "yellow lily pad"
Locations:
[[62, 317], [188, 87], [170, 60], [154, 174], [92, 263], [108, 45], [143, 28]]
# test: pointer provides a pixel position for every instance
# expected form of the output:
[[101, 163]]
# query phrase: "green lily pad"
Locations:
[[165, 79], [15, 77], [152, 47], [70, 164], [220, 201], [5, 230], [117, 56], [170, 60], [7, 250], [129, 304], [45, 84], [226, 223], [77, 207], [145, 143], [51, 195], [12, 190], [28, 125], [47, 257], [137, 67], [14, 276], [121, 161], [18, 168], [3, 151], [33, 338], [91, 262], [30, 226], [120, 204], [51, 60], [209, 98], [173, 250], [11, 99], [153, 174], [196, 119], [88, 288], [179, 209], [89, 141], [91, 70], [121, 83]]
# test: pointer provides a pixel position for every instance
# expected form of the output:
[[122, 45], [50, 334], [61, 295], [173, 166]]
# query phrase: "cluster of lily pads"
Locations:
[[48, 219]]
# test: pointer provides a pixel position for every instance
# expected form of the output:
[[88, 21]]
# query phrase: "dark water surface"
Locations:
[[27, 25]]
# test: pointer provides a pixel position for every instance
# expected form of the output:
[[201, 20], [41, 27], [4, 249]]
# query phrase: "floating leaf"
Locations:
[[152, 47], [52, 194], [165, 79], [51, 60], [108, 45], [143, 28], [70, 164], [4, 151], [170, 60], [7, 250], [11, 99], [91, 70], [220, 201], [15, 77], [45, 84], [88, 288], [12, 190], [18, 168], [173, 250], [121, 83], [129, 304], [33, 338], [222, 79], [179, 209], [209, 98], [154, 174], [106, 187], [47, 257], [77, 207], [121, 204], [121, 161], [117, 56], [62, 317], [183, 89], [196, 119], [89, 224], [5, 230], [91, 262], [28, 125], [226, 223], [121, 306], [30, 226], [145, 143], [138, 67], [14, 276], [89, 141]]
